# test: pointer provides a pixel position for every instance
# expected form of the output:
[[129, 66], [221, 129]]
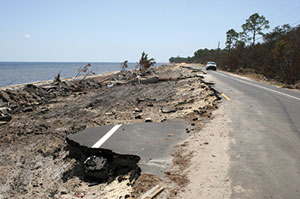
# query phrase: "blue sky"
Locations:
[[116, 30]]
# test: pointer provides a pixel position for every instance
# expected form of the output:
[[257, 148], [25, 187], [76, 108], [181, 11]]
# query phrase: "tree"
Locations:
[[231, 38], [254, 26], [278, 33], [145, 62]]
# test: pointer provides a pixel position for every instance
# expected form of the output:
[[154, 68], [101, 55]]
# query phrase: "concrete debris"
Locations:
[[35, 121], [199, 75], [139, 100], [150, 104], [138, 117], [166, 110], [31, 96], [148, 119], [110, 113], [137, 110]]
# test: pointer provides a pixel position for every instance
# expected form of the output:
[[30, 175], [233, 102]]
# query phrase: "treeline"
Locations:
[[277, 57]]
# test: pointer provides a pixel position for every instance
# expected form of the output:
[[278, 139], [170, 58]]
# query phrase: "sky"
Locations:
[[118, 30]]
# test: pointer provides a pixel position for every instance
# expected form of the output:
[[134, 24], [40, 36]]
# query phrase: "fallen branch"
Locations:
[[153, 192]]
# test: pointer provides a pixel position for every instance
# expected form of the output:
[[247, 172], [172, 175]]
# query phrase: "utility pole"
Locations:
[[218, 50]]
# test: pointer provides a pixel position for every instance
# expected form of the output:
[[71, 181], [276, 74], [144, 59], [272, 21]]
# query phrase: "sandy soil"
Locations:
[[34, 156], [208, 168]]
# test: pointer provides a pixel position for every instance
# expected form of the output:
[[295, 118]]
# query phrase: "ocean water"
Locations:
[[12, 73]]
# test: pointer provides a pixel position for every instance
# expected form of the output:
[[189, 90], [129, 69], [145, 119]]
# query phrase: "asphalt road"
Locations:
[[265, 137], [152, 142]]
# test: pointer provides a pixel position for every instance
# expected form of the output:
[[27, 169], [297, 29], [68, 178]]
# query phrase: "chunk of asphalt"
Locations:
[[101, 165], [96, 167], [125, 151]]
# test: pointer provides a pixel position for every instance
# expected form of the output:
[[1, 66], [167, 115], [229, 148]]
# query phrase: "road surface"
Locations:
[[152, 142], [265, 147]]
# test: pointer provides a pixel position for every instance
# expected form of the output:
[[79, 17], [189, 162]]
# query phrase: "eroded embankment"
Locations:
[[36, 161]]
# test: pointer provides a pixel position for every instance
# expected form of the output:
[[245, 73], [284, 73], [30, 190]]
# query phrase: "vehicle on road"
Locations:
[[211, 65]]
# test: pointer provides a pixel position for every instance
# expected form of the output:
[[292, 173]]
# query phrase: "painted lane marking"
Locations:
[[226, 97], [99, 143], [259, 86]]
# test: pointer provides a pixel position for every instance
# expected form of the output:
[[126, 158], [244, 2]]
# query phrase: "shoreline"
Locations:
[[99, 69], [46, 82]]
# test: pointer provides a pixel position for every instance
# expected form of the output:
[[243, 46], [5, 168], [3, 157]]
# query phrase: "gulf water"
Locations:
[[12, 73]]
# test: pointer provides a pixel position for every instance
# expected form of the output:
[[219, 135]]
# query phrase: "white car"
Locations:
[[211, 65]]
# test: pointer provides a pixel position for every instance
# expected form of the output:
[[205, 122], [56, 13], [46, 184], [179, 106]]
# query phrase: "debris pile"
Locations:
[[31, 96], [35, 121]]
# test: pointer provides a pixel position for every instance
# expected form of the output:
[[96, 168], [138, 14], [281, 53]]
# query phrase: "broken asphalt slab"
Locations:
[[149, 144]]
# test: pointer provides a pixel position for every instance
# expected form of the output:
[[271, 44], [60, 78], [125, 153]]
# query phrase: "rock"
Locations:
[[136, 110], [165, 110], [150, 104], [138, 117], [148, 119]]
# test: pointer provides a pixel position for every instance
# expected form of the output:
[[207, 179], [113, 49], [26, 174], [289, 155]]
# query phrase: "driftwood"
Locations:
[[153, 192]]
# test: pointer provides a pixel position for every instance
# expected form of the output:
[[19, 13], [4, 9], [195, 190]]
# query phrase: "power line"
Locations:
[[286, 14], [282, 7], [295, 23]]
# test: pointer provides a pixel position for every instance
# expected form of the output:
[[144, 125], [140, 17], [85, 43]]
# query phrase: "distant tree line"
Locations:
[[277, 57]]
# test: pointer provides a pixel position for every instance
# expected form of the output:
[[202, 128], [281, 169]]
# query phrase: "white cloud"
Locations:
[[27, 36]]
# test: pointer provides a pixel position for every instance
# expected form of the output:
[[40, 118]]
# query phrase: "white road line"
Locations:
[[106, 136], [259, 86]]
